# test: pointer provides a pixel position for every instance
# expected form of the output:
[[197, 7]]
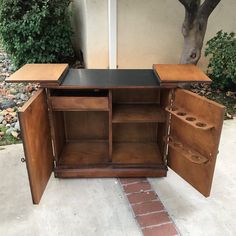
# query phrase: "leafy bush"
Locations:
[[36, 31], [222, 63]]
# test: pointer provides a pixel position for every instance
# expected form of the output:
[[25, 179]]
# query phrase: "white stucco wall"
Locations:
[[90, 22], [148, 31]]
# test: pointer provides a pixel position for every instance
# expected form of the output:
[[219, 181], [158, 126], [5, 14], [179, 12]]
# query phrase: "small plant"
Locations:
[[7, 139], [36, 31], [222, 63]]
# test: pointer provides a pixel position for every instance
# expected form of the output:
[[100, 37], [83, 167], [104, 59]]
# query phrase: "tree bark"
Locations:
[[194, 28]]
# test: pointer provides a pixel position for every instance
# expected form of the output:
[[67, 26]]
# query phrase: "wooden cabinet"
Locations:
[[123, 123]]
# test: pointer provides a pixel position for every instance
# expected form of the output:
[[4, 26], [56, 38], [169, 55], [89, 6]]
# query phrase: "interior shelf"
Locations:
[[137, 113], [189, 118], [136, 153], [77, 154]]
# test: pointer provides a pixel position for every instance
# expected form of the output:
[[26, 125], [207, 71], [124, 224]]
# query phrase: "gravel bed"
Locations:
[[12, 97]]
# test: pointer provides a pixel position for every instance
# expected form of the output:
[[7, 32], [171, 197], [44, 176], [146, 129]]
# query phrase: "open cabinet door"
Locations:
[[195, 128], [37, 143]]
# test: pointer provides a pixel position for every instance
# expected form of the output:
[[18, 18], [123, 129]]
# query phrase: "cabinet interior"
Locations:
[[85, 138], [129, 133]]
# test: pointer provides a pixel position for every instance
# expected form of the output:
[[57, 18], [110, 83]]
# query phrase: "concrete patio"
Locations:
[[99, 207]]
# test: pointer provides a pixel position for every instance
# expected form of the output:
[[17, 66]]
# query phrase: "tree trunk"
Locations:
[[193, 41], [194, 28]]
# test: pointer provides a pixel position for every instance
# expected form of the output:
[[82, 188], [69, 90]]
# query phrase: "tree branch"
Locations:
[[185, 3], [207, 7], [190, 5], [191, 11]]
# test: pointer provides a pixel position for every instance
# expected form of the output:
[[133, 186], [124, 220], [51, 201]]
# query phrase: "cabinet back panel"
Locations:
[[151, 95], [135, 132], [86, 125]]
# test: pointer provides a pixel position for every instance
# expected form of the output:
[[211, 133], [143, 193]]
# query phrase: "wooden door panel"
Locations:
[[37, 143], [193, 148]]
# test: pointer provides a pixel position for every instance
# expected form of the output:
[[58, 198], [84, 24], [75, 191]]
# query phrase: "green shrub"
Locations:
[[222, 63], [36, 31]]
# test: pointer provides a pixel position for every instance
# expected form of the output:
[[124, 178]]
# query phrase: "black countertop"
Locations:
[[102, 78]]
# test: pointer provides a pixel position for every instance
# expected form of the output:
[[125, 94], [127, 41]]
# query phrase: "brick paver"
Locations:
[[148, 210]]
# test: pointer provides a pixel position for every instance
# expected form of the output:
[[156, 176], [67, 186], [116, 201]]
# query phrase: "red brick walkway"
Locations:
[[148, 210]]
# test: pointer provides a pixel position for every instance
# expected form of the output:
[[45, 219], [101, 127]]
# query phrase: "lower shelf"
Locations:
[[77, 154], [136, 153], [90, 159]]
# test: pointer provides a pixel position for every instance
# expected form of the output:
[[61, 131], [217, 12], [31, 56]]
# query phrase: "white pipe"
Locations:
[[112, 31]]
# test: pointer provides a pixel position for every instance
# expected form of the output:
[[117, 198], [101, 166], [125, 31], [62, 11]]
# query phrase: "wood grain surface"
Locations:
[[80, 154], [86, 125], [135, 132], [201, 144], [109, 172], [37, 143], [136, 153], [172, 73], [138, 113], [136, 96], [39, 73], [79, 103]]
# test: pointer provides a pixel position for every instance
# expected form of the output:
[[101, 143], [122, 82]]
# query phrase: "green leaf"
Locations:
[[30, 31], [221, 50]]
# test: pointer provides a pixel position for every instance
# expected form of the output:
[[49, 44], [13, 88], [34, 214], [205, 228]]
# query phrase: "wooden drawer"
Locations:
[[80, 103]]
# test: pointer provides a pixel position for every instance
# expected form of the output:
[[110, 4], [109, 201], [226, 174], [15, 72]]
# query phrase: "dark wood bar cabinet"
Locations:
[[118, 123]]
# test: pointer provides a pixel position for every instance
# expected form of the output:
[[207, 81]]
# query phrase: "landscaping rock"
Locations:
[[229, 116], [24, 97], [20, 103], [12, 96], [7, 104], [11, 68], [13, 91], [4, 70], [8, 132], [17, 125], [1, 119], [18, 96], [14, 134], [2, 57], [230, 94]]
